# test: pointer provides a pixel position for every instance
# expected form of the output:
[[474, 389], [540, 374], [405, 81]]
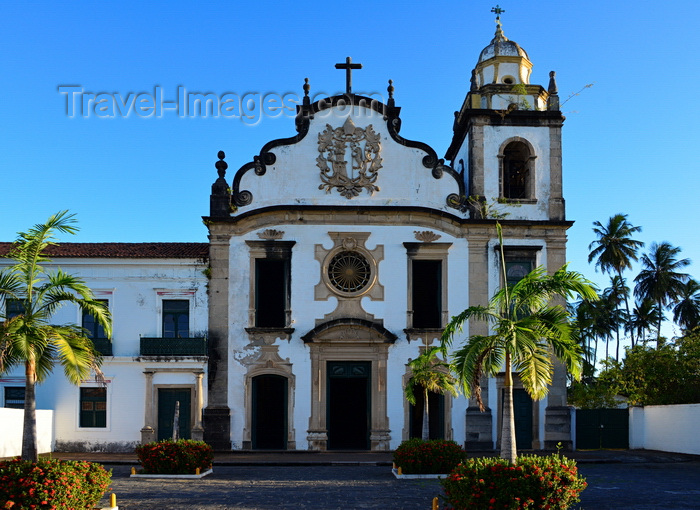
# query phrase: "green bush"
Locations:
[[52, 484], [533, 482], [175, 457], [436, 456]]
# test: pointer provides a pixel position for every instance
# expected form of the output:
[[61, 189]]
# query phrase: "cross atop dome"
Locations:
[[497, 10]]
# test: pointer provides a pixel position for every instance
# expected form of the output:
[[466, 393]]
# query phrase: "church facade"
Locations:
[[335, 257], [338, 254]]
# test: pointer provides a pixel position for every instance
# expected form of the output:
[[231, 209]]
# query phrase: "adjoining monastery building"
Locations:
[[334, 257]]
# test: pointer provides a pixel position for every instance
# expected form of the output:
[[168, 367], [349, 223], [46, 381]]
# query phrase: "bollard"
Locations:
[[399, 471], [133, 470], [113, 500], [196, 471], [435, 503]]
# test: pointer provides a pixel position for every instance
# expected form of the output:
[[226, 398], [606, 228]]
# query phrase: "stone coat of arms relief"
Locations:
[[354, 165]]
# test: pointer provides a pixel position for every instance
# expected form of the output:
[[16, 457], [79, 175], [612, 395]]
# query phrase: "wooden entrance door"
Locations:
[[166, 411], [269, 419], [348, 405]]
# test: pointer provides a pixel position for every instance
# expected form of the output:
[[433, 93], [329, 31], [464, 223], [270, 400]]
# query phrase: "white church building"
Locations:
[[334, 257]]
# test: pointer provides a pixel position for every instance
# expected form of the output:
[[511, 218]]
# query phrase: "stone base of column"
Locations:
[[217, 427], [318, 440], [478, 430], [197, 433], [379, 440], [557, 428], [148, 435]]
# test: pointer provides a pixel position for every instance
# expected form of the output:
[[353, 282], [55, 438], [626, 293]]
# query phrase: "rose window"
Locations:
[[349, 271]]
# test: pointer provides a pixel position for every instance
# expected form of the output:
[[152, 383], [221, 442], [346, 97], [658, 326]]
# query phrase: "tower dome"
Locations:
[[503, 62], [501, 46]]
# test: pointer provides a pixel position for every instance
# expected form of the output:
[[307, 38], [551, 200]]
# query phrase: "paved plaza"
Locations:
[[617, 480]]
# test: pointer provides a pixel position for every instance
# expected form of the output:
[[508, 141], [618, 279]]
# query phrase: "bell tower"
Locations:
[[507, 148], [507, 134]]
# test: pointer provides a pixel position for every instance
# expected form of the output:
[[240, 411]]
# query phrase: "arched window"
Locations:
[[516, 179]]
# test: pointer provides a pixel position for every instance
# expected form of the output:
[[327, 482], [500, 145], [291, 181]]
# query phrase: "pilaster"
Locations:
[[217, 415]]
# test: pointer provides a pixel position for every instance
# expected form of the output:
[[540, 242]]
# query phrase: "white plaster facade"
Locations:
[[135, 289], [346, 189]]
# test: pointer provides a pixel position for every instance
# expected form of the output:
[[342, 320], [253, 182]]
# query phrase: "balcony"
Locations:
[[103, 346], [173, 346]]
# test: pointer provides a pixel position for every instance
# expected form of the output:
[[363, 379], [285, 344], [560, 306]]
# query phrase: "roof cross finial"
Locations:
[[348, 66], [498, 12]]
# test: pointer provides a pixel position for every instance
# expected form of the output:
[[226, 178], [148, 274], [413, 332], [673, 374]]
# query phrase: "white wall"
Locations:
[[135, 289], [11, 421], [670, 428]]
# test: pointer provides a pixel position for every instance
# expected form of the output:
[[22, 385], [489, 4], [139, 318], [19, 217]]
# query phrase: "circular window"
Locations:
[[508, 80], [349, 271]]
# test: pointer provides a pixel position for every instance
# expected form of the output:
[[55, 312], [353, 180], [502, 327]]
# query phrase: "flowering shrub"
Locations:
[[533, 482], [175, 457], [416, 456], [52, 484]]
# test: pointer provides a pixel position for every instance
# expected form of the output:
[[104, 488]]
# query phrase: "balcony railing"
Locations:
[[173, 346], [103, 346]]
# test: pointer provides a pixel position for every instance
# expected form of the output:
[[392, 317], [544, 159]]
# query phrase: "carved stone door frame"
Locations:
[[349, 340]]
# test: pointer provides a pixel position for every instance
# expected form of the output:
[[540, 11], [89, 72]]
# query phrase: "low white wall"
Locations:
[[666, 428], [11, 421]]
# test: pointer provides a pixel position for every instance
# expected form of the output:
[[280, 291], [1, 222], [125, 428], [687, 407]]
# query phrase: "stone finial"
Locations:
[[220, 199], [221, 165], [472, 82], [500, 36], [390, 89], [553, 99], [307, 88], [552, 89]]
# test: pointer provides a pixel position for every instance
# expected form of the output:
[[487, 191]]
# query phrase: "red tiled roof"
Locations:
[[124, 250]]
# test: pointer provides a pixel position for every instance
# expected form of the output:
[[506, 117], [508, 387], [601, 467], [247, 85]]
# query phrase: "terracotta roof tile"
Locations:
[[124, 250]]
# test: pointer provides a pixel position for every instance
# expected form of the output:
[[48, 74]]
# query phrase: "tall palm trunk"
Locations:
[[29, 439], [658, 326], [508, 446], [627, 308], [425, 434]]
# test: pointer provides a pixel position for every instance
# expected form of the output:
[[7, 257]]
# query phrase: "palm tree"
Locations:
[[432, 375], [616, 317], [643, 318], [584, 323], [526, 331], [29, 338], [686, 313], [604, 321], [660, 279], [615, 249]]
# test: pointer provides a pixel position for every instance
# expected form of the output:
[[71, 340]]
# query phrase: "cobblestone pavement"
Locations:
[[265, 487], [635, 486], [643, 486]]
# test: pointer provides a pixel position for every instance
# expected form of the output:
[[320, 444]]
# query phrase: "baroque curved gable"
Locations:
[[348, 151]]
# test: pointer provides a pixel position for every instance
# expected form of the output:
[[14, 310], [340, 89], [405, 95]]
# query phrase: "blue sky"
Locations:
[[630, 141]]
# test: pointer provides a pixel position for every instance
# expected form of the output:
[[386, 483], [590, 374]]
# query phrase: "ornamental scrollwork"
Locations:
[[354, 157]]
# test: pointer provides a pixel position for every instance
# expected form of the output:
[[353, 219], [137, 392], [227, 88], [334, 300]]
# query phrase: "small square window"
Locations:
[[14, 397], [13, 308], [93, 407]]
